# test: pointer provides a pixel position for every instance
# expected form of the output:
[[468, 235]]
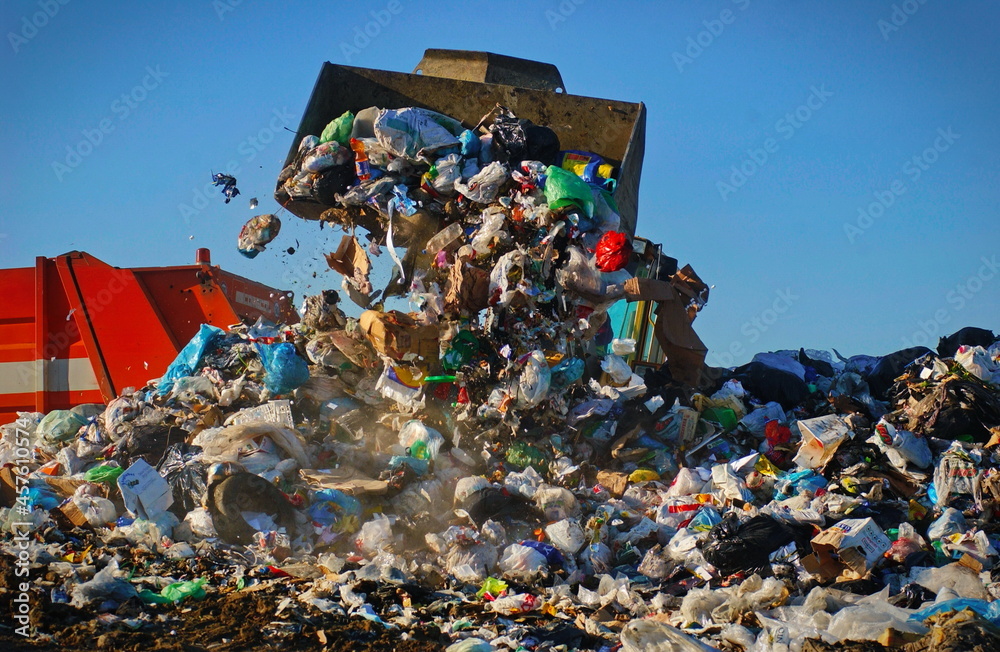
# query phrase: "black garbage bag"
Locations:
[[889, 367], [733, 546], [496, 503], [332, 182], [185, 475], [969, 336], [822, 367], [770, 384], [516, 140], [245, 492], [147, 442]]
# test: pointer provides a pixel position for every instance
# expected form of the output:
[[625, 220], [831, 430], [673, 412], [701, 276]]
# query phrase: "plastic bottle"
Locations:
[[361, 164], [447, 236]]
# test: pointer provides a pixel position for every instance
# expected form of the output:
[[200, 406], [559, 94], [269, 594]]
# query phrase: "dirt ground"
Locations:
[[232, 621]]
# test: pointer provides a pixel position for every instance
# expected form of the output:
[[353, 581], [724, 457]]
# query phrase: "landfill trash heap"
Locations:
[[487, 472]]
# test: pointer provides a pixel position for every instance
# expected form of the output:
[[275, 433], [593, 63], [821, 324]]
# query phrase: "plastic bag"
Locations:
[[522, 562], [103, 473], [516, 140], [374, 535], [956, 473], [256, 234], [177, 592], [614, 250], [655, 636], [444, 173], [534, 381], [184, 472], [962, 580], [98, 511], [566, 535], [326, 156], [564, 189], [187, 361], [733, 546], [556, 503], [422, 442], [617, 368], [331, 507], [485, 186], [60, 425], [902, 446], [104, 586], [950, 522], [338, 129], [418, 134], [284, 369]]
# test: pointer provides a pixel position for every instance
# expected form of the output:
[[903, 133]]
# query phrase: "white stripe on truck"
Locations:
[[59, 375]]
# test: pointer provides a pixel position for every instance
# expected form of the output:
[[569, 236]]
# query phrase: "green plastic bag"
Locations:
[[103, 473], [493, 586], [524, 455], [177, 592], [339, 129], [563, 188]]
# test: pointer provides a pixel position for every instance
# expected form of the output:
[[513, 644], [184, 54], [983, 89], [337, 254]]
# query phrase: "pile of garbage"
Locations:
[[487, 471]]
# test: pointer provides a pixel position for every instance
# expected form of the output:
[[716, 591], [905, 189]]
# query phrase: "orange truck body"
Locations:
[[76, 330]]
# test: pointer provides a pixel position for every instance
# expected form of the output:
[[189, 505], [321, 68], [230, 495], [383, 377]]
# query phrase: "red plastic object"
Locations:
[[613, 251], [74, 329]]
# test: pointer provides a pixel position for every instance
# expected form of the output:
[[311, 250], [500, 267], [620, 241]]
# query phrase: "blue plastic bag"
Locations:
[[988, 610], [186, 362], [284, 369], [333, 507]]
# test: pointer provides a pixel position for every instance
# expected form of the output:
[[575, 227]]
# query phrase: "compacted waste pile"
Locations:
[[485, 470]]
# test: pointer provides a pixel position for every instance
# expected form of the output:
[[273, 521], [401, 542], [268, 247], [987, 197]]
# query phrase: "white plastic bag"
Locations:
[[522, 562], [485, 186]]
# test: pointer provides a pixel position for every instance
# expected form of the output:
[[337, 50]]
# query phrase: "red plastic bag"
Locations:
[[613, 251]]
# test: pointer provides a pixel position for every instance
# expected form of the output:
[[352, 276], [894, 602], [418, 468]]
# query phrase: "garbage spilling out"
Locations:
[[490, 470]]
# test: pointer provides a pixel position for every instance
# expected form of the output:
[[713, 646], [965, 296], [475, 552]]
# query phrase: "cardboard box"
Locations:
[[853, 544], [649, 289], [145, 492], [820, 438], [396, 334]]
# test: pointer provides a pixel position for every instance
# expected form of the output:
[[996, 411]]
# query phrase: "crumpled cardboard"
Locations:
[[854, 544], [467, 290], [673, 331], [396, 334]]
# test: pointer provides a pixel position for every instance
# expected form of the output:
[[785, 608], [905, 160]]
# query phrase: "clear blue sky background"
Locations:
[[229, 71]]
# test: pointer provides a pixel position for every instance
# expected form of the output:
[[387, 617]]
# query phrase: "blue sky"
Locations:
[[831, 168]]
